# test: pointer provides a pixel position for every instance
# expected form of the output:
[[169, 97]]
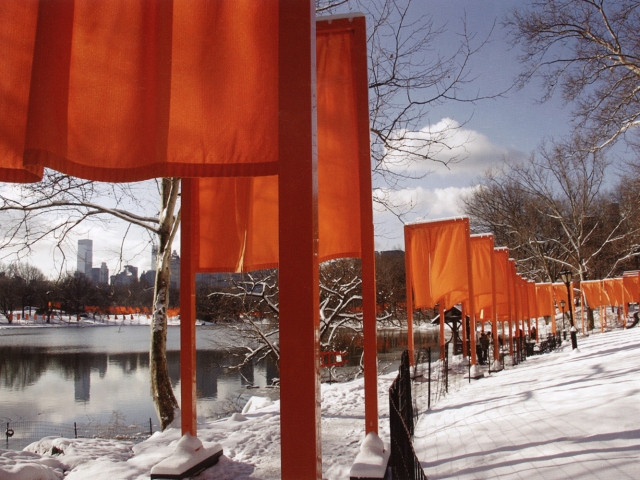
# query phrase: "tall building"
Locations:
[[154, 256], [174, 281], [127, 276], [100, 275], [104, 273], [85, 257]]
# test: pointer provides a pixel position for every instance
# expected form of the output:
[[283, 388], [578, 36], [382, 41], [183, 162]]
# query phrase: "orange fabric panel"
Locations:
[[238, 217], [631, 282], [502, 282], [120, 91], [594, 293], [481, 268], [17, 25], [439, 264], [613, 288], [560, 293], [544, 299]]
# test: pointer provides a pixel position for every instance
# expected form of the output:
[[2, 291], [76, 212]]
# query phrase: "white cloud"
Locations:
[[465, 151], [428, 204]]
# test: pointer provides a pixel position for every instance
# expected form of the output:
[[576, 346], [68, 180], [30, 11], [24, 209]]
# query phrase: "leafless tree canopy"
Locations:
[[589, 50], [408, 77], [553, 214]]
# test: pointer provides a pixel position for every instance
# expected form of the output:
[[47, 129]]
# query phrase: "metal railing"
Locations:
[[19, 434], [403, 460]]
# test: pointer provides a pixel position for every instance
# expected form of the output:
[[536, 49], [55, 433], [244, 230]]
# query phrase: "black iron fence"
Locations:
[[19, 434], [403, 460]]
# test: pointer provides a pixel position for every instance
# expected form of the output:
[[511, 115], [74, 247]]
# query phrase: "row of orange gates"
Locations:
[[447, 266], [94, 312]]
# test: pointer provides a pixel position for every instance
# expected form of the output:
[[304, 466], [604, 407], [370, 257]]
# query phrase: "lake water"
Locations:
[[92, 374]]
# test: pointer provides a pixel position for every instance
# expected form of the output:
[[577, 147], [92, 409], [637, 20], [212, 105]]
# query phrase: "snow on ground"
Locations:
[[562, 415], [559, 415]]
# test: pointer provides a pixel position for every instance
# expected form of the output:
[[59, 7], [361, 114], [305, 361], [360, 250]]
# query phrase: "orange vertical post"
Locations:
[[367, 247], [494, 306], [583, 299], [553, 313], [188, 307], [472, 302], [301, 454], [463, 319], [409, 287]]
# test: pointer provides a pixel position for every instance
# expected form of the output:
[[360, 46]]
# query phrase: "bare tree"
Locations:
[[552, 211], [407, 78], [257, 295], [60, 204], [590, 51]]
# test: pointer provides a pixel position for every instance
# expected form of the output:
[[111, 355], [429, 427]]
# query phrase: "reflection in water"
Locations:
[[64, 374], [21, 367]]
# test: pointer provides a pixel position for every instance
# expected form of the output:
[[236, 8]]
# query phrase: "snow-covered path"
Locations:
[[563, 415]]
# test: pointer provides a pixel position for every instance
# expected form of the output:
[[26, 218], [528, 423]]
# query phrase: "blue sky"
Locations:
[[512, 125]]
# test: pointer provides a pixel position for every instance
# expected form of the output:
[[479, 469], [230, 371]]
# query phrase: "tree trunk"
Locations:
[[163, 398]]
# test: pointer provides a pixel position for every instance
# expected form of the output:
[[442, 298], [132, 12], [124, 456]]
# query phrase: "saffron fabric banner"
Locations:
[[503, 297], [560, 293], [614, 290], [121, 91], [544, 299], [482, 271], [631, 282], [594, 293], [439, 262], [237, 218]]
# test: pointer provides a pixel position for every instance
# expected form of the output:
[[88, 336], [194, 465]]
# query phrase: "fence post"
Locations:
[[75, 429], [150, 427]]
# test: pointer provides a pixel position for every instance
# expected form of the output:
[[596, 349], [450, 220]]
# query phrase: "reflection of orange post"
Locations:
[[409, 287], [298, 243], [188, 237]]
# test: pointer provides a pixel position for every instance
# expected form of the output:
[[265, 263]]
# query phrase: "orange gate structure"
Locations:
[[438, 271], [123, 91]]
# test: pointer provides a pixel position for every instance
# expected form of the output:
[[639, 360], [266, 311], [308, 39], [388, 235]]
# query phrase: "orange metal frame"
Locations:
[[298, 240]]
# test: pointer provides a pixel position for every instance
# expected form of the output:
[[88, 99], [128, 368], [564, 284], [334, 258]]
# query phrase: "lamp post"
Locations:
[[566, 279], [562, 304]]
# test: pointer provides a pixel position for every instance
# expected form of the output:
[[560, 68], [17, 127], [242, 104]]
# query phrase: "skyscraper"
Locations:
[[85, 257]]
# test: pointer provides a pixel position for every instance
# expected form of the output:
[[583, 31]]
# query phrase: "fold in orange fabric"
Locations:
[[482, 269], [501, 256], [237, 218], [544, 300], [594, 293], [439, 262], [121, 91]]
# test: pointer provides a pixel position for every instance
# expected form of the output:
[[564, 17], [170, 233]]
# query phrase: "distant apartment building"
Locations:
[[128, 275], [85, 257], [100, 276], [150, 275]]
